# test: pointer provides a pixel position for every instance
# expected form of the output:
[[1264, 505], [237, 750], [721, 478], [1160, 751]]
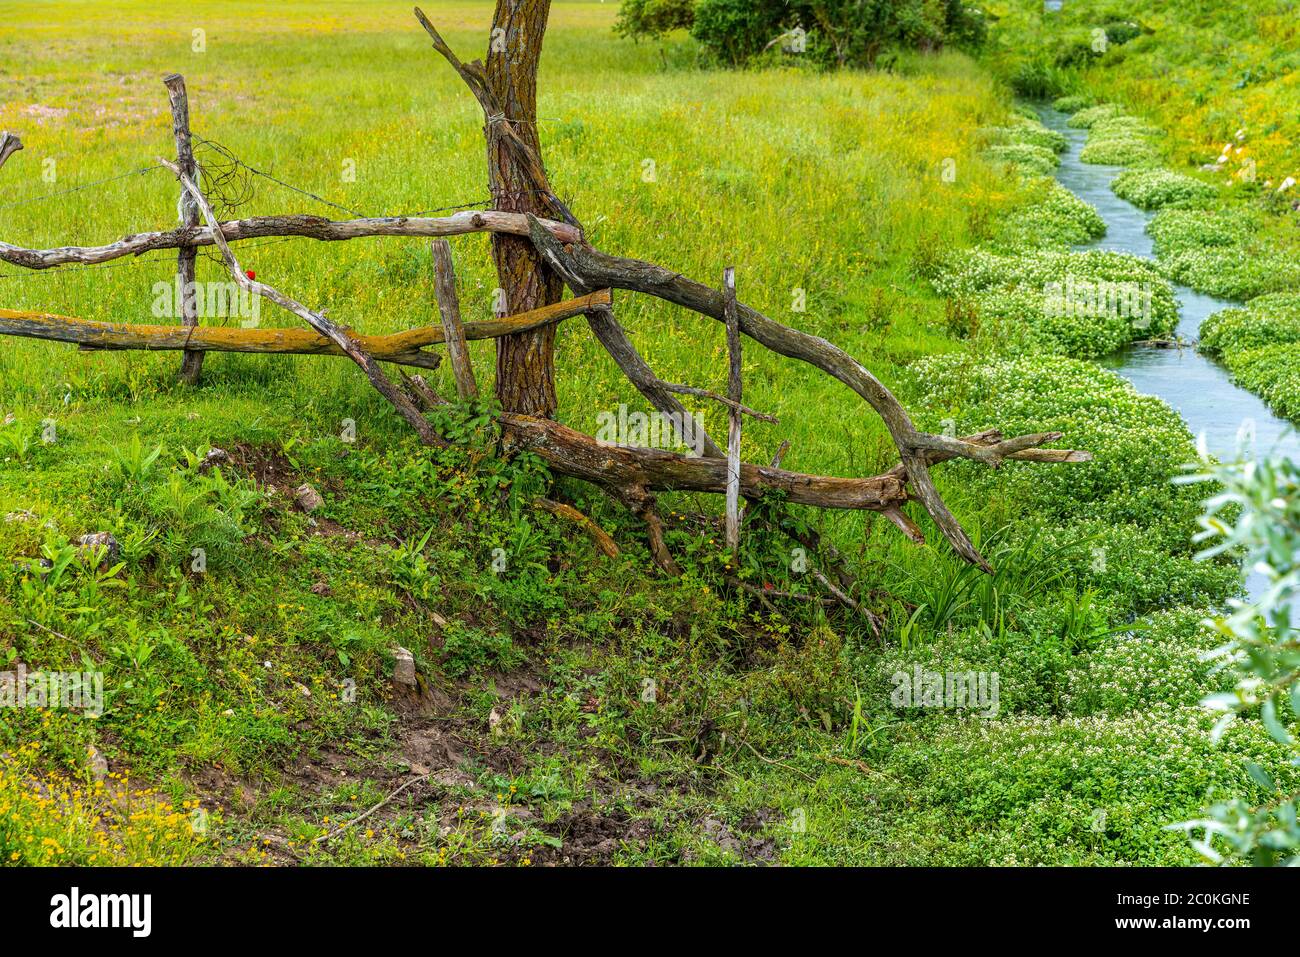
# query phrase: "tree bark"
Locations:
[[525, 380]]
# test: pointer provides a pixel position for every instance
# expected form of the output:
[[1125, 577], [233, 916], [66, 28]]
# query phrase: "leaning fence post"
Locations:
[[192, 362], [9, 145], [730, 313], [444, 277]]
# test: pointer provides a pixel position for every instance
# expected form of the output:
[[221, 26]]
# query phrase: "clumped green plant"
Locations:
[[1052, 216], [1268, 320], [1223, 253], [1079, 304], [1158, 188], [1136, 440], [1028, 158], [1072, 103]]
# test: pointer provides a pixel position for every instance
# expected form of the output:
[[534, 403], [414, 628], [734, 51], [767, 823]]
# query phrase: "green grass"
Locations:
[[573, 708]]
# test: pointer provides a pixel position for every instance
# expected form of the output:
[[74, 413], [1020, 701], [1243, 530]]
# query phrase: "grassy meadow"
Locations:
[[577, 709]]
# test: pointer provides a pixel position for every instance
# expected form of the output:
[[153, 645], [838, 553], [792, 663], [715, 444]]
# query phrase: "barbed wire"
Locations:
[[83, 186], [227, 182]]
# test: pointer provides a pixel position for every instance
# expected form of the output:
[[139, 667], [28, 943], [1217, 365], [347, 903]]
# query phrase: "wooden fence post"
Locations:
[[192, 362], [444, 277]]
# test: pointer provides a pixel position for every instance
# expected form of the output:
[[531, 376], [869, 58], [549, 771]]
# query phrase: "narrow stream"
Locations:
[[1199, 389]]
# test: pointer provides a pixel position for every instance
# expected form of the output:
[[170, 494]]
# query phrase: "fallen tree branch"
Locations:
[[402, 348], [576, 454], [453, 329], [369, 811], [310, 227]]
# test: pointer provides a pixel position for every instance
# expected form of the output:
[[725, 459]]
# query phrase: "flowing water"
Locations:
[[1217, 411]]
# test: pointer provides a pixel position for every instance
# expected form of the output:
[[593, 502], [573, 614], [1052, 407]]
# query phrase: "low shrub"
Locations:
[[1080, 790], [1025, 129], [1159, 665], [1085, 117], [1120, 149], [1223, 254], [1272, 373]]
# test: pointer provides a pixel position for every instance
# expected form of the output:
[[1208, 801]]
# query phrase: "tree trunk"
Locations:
[[525, 381]]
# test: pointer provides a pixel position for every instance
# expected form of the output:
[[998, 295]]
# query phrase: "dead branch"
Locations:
[[641, 503], [573, 453], [402, 348], [9, 145], [399, 400], [729, 403], [310, 227]]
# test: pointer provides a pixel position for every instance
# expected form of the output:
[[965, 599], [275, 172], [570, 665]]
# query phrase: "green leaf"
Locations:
[[1268, 714], [1260, 776]]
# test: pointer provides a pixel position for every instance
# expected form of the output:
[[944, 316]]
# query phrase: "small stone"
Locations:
[[214, 458], [494, 723], [22, 515], [404, 668], [91, 545], [308, 498], [229, 713], [322, 588], [302, 689]]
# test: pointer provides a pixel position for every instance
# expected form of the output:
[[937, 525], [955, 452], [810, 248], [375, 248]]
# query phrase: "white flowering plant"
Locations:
[[1158, 188]]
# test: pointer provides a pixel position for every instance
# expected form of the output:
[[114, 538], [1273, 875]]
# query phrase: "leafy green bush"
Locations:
[[1024, 129], [1258, 513], [1078, 790], [1085, 117], [1141, 569], [654, 18], [1120, 149], [838, 32], [1272, 373], [1157, 188], [1072, 103], [1159, 665]]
